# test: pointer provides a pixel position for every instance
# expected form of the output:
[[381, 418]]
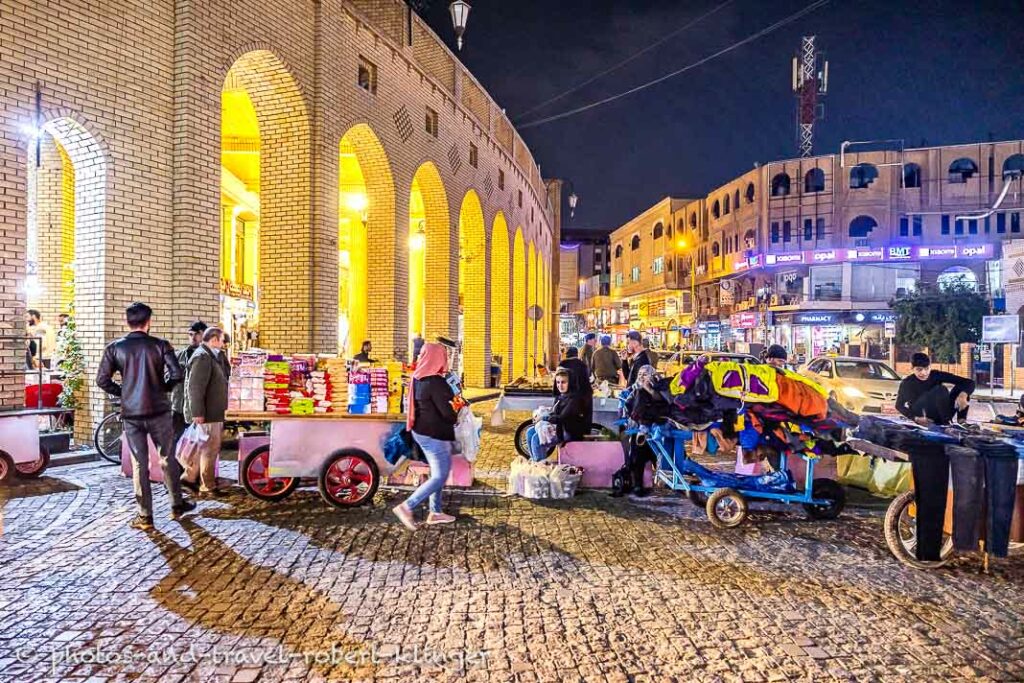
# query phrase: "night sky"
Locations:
[[931, 72]]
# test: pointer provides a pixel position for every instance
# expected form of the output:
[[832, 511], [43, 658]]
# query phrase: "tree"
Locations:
[[71, 363], [940, 319]]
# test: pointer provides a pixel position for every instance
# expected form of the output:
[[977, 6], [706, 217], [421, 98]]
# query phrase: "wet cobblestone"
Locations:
[[592, 589]]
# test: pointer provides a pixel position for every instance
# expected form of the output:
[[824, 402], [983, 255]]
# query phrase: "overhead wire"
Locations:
[[627, 60], [643, 86]]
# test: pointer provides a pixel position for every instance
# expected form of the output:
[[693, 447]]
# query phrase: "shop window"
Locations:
[[808, 229], [366, 75], [431, 122], [827, 283], [911, 176], [861, 226], [750, 193], [956, 277], [814, 181], [862, 175], [780, 185], [880, 282], [474, 156], [962, 170], [501, 179], [1013, 167], [819, 228], [634, 244]]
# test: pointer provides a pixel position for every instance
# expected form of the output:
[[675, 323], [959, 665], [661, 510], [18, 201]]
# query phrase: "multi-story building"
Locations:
[[809, 252], [648, 291], [584, 280]]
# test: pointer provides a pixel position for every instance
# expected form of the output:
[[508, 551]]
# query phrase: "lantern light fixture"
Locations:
[[460, 16]]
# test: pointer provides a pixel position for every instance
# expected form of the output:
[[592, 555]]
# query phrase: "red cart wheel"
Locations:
[[348, 478], [257, 481], [31, 470], [7, 470]]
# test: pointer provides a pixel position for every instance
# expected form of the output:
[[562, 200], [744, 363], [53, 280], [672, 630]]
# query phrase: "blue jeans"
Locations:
[[537, 451], [439, 457]]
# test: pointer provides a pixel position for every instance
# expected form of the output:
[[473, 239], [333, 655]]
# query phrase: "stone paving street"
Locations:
[[591, 589]]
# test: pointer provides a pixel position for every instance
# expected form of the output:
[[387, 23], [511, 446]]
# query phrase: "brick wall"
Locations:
[[500, 270], [136, 86]]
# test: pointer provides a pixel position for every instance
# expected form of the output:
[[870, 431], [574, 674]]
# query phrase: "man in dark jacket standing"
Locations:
[[178, 395], [587, 350], [639, 356], [206, 402], [149, 370]]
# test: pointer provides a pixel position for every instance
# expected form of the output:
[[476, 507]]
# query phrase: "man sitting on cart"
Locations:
[[924, 398]]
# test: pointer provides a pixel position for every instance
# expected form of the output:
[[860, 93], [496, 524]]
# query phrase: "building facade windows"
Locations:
[[780, 185], [658, 232], [634, 243], [366, 75], [634, 274], [911, 176], [814, 181], [501, 179], [962, 170], [862, 226], [474, 156], [819, 228], [659, 265], [1013, 167], [750, 193], [862, 175], [945, 224], [431, 122], [808, 229]]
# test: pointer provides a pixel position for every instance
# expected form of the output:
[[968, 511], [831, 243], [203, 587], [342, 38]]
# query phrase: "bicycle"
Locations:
[[107, 436]]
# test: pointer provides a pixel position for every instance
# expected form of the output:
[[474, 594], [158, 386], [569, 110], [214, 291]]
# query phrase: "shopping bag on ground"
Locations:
[[189, 444], [467, 434]]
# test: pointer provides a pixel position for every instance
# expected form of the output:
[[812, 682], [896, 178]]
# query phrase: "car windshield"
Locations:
[[851, 369]]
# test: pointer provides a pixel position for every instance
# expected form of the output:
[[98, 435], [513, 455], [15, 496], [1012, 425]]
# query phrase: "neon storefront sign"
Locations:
[[896, 252]]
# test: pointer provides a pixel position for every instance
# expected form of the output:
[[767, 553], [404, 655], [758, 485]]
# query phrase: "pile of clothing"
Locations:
[[762, 408]]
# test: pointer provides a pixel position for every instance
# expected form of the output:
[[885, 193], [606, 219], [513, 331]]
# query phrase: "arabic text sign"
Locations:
[[1000, 329]]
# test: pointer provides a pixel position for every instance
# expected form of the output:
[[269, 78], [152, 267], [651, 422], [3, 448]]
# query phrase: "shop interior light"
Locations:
[[681, 244], [357, 203], [418, 239]]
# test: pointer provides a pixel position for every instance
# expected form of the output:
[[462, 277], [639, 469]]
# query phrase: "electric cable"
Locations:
[[763, 32], [626, 61]]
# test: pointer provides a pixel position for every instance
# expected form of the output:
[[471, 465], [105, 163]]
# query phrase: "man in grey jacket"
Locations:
[[195, 333], [206, 401]]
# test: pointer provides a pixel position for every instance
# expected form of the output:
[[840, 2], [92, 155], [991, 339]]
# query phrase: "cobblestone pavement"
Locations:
[[592, 589]]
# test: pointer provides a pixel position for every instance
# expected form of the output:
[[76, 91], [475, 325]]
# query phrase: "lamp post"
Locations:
[[573, 201], [460, 15]]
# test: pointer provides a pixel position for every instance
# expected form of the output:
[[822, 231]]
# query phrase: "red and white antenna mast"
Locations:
[[810, 81]]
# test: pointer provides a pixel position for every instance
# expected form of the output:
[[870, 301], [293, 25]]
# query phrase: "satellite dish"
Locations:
[[535, 312]]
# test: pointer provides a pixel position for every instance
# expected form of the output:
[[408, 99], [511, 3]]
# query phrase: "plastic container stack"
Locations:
[[359, 392], [379, 390], [322, 387], [276, 375], [245, 387]]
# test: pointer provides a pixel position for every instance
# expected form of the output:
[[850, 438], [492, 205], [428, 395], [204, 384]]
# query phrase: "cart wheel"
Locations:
[[257, 482], [598, 432], [521, 441], [901, 534], [107, 438], [7, 471], [698, 498], [31, 470], [348, 478], [726, 508], [829, 490]]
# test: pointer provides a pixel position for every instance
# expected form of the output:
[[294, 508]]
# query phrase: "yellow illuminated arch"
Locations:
[[430, 269], [366, 215], [473, 290], [531, 300], [519, 352], [500, 280]]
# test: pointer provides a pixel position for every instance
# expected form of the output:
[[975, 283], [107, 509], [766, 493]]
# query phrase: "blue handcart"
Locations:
[[724, 495]]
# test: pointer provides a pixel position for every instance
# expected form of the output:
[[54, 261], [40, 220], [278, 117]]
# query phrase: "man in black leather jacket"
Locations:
[[149, 370]]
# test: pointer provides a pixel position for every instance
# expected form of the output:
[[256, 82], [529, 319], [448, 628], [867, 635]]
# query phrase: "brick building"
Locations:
[[812, 250], [319, 172]]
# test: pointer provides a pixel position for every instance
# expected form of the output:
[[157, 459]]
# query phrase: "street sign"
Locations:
[[987, 356], [535, 312], [890, 329], [1000, 329]]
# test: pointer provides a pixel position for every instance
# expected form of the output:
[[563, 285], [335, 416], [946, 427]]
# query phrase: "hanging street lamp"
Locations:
[[460, 15], [573, 201]]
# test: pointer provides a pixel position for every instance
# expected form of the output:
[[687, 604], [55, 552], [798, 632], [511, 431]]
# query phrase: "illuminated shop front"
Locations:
[[807, 334]]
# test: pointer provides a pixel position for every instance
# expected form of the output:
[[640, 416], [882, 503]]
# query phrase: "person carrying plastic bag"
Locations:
[[567, 416]]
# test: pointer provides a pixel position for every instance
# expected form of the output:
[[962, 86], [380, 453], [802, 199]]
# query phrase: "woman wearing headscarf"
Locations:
[[431, 419]]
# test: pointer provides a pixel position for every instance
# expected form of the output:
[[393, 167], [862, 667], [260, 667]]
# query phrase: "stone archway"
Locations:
[[501, 330], [366, 216], [519, 299], [473, 291], [433, 291]]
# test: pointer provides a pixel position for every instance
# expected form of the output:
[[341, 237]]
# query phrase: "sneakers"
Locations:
[[404, 515], [184, 507], [142, 523], [192, 486], [439, 518]]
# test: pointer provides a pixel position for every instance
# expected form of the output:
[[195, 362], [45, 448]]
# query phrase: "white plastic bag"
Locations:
[[467, 433], [193, 437], [547, 432], [515, 476], [541, 413]]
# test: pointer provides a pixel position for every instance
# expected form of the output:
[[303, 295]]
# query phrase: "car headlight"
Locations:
[[853, 392]]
